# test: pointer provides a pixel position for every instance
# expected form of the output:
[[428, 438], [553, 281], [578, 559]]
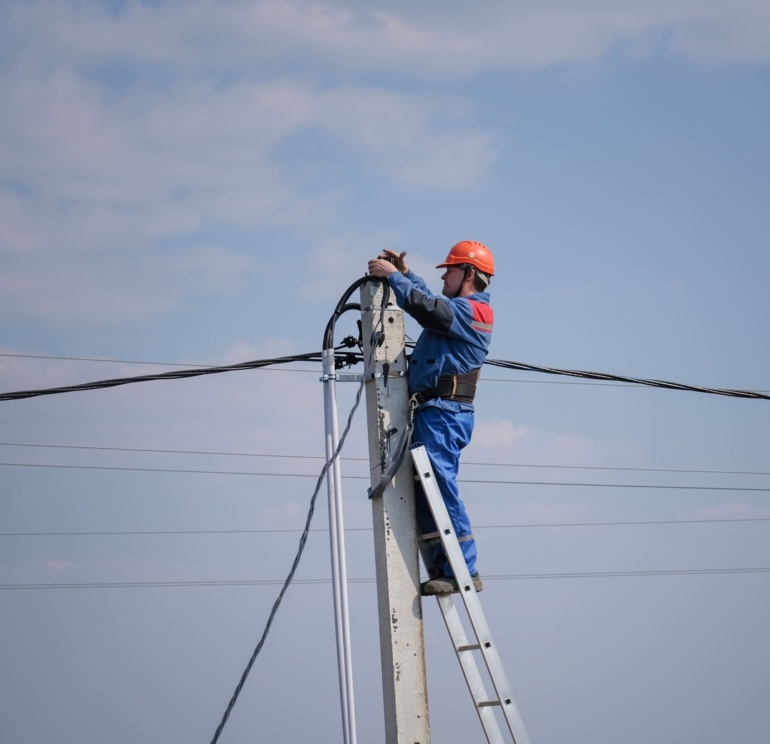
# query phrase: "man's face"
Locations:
[[453, 279]]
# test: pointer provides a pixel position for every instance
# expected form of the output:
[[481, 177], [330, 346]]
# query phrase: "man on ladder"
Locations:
[[443, 371]]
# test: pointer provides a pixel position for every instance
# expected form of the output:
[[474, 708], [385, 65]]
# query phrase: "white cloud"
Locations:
[[492, 435], [60, 285], [213, 149], [425, 40], [123, 131], [425, 139], [106, 179], [337, 262], [70, 140], [452, 39], [733, 510], [502, 441]]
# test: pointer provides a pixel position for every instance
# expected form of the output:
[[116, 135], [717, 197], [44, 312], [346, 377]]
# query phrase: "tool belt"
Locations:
[[459, 388]]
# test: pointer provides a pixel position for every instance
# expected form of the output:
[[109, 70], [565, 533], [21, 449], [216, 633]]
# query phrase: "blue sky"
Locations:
[[199, 182]]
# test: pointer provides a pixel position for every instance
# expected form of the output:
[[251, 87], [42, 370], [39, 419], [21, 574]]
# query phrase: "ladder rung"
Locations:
[[469, 647], [488, 704]]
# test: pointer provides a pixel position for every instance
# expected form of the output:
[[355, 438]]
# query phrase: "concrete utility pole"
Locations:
[[402, 647]]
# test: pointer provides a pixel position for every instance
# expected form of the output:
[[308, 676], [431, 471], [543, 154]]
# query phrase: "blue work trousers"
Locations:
[[444, 433]]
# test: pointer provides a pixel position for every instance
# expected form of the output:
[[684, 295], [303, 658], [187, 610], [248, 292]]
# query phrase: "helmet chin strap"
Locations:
[[466, 273]]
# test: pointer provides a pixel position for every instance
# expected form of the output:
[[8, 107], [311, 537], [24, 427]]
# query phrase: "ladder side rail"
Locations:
[[491, 656], [441, 517], [470, 669], [467, 660], [469, 595]]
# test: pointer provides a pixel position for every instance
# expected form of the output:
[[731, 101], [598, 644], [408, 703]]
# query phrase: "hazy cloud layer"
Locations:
[[130, 126], [426, 40]]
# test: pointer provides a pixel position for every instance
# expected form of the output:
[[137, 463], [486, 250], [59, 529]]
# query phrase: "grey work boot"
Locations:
[[447, 585]]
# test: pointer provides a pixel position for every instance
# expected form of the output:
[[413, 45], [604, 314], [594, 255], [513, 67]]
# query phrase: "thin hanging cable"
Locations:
[[466, 463], [342, 307], [481, 481], [371, 580], [293, 530], [98, 360], [295, 564]]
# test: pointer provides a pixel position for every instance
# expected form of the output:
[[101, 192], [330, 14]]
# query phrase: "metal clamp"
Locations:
[[342, 377]]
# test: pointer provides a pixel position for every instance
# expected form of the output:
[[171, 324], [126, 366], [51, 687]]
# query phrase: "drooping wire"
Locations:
[[292, 571], [173, 375], [342, 306], [620, 378], [352, 358]]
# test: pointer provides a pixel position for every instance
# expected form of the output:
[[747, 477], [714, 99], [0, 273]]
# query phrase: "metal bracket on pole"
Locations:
[[358, 376]]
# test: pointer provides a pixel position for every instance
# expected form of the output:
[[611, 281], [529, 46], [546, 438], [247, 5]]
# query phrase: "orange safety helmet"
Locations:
[[471, 253]]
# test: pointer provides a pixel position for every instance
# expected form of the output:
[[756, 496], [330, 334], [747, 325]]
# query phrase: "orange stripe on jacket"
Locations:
[[483, 316]]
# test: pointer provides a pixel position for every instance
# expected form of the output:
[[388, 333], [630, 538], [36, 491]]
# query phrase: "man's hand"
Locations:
[[397, 259], [381, 267], [386, 263]]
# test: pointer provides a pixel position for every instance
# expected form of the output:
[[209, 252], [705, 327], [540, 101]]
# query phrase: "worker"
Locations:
[[443, 370]]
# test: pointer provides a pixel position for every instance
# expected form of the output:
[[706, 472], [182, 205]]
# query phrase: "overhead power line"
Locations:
[[622, 378], [273, 455], [352, 358], [487, 481], [173, 375], [371, 580], [104, 360], [294, 530], [143, 362], [100, 360]]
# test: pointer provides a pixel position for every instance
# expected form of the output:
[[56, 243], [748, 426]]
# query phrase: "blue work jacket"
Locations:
[[455, 337]]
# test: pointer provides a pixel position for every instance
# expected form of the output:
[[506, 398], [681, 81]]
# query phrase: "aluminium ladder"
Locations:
[[485, 703]]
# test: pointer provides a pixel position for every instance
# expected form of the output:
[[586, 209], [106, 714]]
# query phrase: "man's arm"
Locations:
[[412, 294], [413, 297]]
